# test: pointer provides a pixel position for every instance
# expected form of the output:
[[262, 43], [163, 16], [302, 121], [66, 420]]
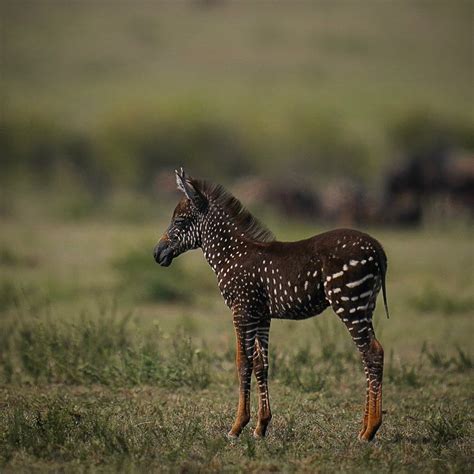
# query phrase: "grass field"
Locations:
[[108, 361]]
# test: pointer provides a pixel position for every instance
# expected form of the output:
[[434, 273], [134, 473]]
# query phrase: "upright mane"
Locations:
[[248, 224]]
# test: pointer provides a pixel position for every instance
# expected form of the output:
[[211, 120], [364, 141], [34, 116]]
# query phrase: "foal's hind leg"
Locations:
[[356, 310], [372, 355], [371, 350]]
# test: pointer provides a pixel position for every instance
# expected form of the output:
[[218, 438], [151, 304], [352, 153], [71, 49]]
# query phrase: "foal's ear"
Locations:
[[188, 188]]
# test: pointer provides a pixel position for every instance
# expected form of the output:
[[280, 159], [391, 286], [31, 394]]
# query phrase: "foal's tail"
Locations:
[[383, 266]]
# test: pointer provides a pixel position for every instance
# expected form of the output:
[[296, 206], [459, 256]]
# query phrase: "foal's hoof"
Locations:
[[232, 436], [366, 436], [260, 432]]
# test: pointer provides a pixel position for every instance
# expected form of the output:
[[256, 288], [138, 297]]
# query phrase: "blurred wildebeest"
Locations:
[[414, 185]]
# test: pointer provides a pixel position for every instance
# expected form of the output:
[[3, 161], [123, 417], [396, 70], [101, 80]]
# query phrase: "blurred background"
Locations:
[[342, 112]]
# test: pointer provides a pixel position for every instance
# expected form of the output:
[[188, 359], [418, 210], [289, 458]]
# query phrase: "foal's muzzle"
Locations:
[[163, 253]]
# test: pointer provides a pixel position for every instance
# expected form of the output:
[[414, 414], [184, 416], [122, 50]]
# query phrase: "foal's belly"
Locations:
[[303, 310]]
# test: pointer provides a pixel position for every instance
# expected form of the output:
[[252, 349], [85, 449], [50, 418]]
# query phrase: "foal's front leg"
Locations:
[[245, 331]]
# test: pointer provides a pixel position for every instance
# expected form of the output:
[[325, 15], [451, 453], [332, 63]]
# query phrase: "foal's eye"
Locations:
[[179, 220]]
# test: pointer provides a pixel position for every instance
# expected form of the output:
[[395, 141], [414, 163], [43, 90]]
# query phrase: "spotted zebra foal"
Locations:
[[262, 279]]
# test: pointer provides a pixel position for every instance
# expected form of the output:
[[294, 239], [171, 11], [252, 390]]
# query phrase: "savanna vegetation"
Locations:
[[111, 363]]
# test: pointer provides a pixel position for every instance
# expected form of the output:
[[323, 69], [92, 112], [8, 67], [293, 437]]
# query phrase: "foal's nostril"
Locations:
[[163, 253]]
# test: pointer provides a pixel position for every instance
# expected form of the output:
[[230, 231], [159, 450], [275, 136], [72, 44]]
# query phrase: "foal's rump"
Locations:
[[354, 263]]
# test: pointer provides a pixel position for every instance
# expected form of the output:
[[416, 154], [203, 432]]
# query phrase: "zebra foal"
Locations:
[[262, 279]]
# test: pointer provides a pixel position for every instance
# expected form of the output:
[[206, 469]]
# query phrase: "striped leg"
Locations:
[[372, 356], [245, 331], [260, 362], [371, 350], [366, 410], [356, 310]]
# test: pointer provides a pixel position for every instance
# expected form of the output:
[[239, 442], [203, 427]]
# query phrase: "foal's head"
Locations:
[[184, 231]]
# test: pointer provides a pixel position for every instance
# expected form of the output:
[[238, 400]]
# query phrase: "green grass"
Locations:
[[85, 421], [143, 428], [96, 373], [103, 350]]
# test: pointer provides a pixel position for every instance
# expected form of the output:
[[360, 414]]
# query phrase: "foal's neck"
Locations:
[[222, 242]]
